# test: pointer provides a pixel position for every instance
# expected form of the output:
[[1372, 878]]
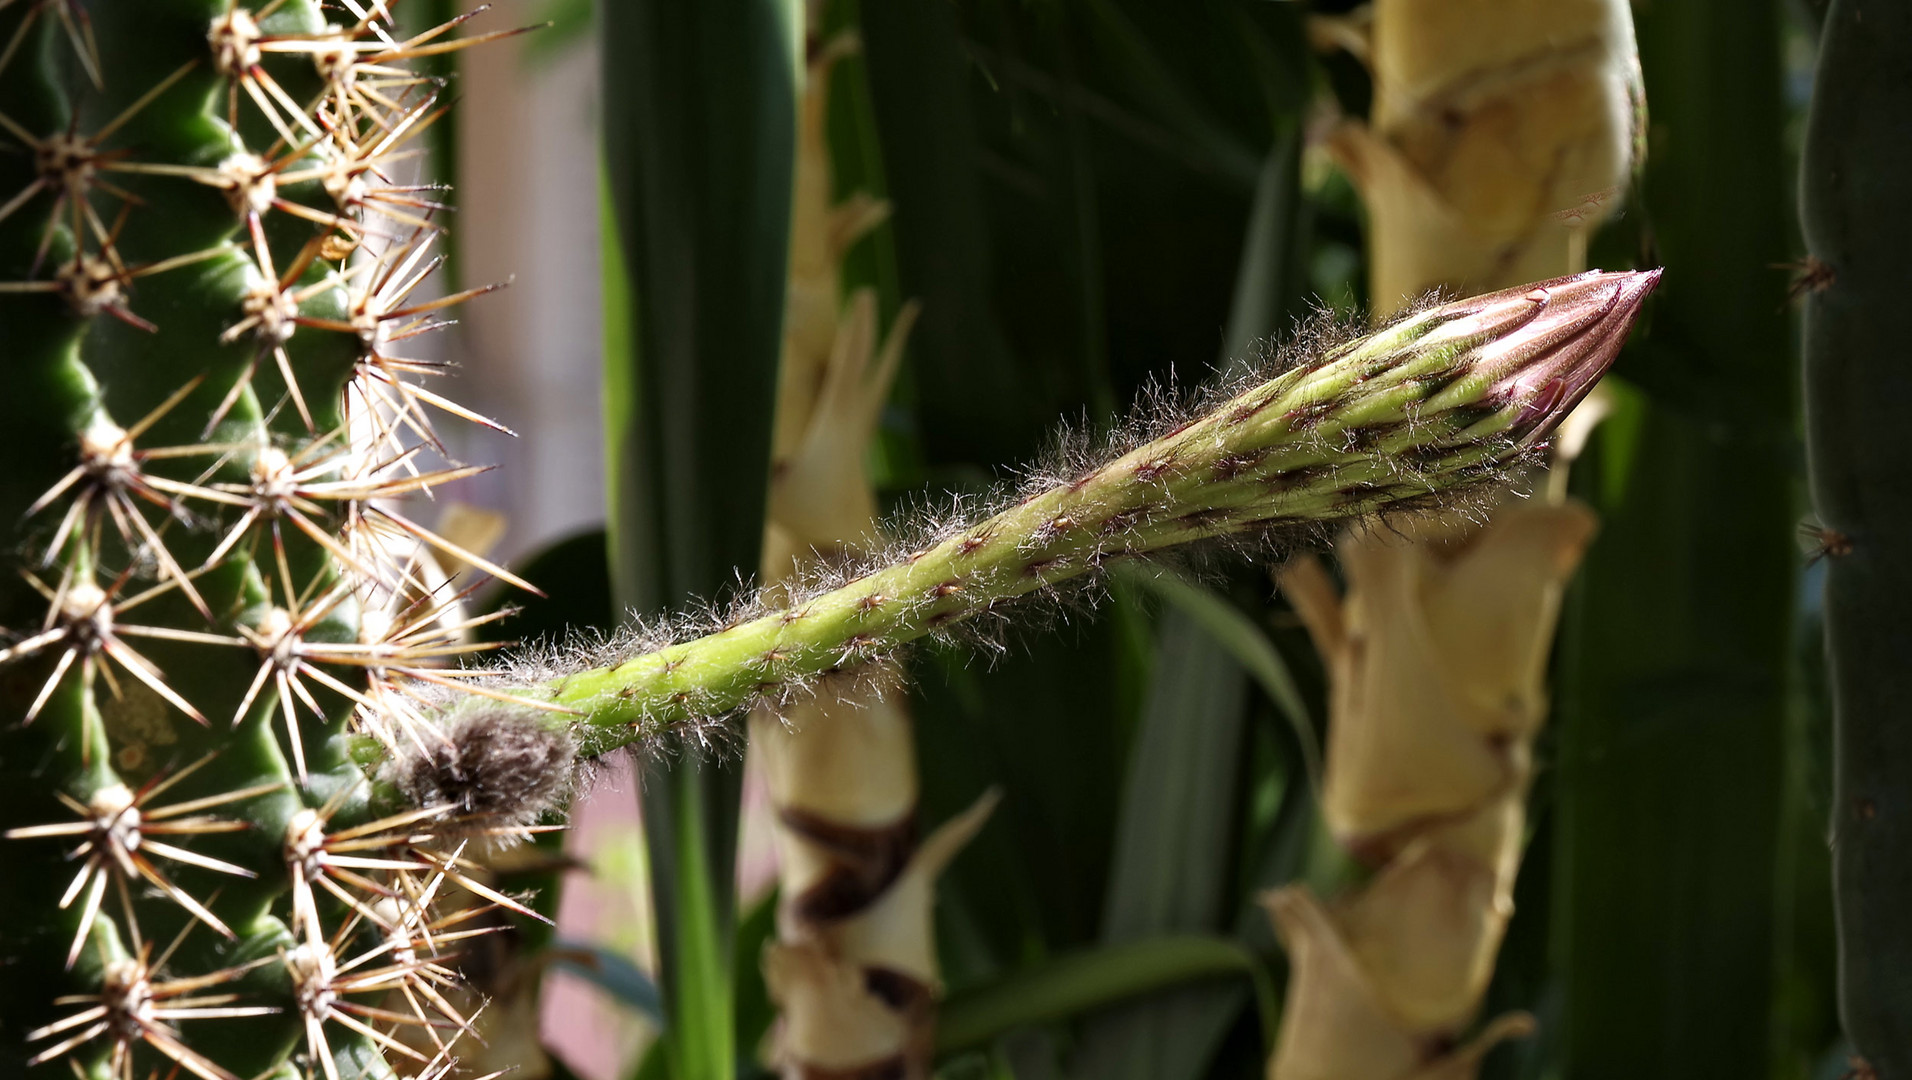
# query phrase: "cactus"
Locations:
[[242, 764], [1856, 224], [210, 266]]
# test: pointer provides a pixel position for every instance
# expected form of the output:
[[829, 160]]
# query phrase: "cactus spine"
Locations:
[[1856, 363], [1502, 133]]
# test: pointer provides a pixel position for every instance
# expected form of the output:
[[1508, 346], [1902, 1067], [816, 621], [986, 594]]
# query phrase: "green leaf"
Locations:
[[611, 972], [1672, 777], [975, 402], [1264, 281], [1242, 639], [755, 1011], [1078, 982], [1173, 854], [567, 23], [699, 143]]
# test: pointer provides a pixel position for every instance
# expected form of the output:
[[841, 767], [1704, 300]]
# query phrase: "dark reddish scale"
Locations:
[[1245, 411], [1294, 479], [1307, 416], [1041, 567], [1152, 470], [1234, 465], [1053, 528], [1366, 438], [872, 601], [947, 588], [1358, 493], [970, 544], [1202, 519]]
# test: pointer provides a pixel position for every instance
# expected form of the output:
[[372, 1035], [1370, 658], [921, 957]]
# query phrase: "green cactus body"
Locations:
[[1858, 366], [200, 417], [232, 791]]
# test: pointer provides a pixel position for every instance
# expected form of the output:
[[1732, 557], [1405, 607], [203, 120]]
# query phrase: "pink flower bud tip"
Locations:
[[1573, 331]]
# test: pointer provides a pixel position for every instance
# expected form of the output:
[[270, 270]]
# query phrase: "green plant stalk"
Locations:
[[1444, 398], [1857, 363]]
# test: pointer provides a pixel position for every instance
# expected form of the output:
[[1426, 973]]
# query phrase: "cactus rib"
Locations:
[[1856, 222]]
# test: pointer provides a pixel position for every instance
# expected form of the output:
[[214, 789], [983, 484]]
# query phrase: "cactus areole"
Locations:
[[244, 750]]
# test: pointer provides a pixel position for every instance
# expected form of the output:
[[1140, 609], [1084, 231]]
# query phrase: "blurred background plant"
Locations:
[[1086, 199]]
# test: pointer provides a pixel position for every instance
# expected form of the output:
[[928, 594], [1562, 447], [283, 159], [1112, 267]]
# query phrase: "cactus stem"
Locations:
[[121, 830], [131, 1008], [79, 33], [68, 164], [83, 622]]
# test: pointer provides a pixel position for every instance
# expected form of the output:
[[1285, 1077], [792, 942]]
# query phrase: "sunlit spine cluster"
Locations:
[[231, 596]]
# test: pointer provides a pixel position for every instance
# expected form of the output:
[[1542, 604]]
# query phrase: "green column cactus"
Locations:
[[1857, 224], [209, 273], [236, 774]]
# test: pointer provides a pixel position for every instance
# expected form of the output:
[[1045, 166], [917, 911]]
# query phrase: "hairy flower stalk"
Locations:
[[1503, 132], [853, 969], [1400, 419]]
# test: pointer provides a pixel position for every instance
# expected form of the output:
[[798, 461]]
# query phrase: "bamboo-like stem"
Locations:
[[1503, 131]]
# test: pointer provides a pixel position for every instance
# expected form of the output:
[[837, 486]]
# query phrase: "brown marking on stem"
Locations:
[[1245, 411], [864, 862], [1207, 518], [1234, 465], [1151, 470]]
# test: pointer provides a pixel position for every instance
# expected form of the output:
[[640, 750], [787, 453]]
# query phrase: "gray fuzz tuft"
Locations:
[[493, 763]]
